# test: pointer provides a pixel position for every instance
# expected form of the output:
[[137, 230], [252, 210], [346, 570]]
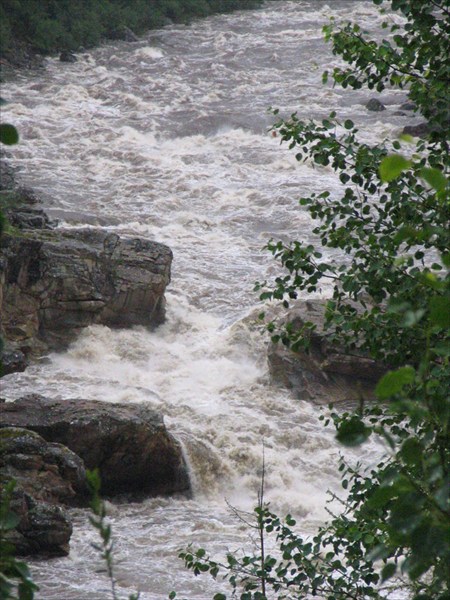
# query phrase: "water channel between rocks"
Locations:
[[167, 138]]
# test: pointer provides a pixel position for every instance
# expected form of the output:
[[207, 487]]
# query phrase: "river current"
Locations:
[[167, 138]]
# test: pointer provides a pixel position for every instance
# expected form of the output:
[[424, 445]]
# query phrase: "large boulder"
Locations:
[[326, 373], [46, 475], [53, 282], [128, 443]]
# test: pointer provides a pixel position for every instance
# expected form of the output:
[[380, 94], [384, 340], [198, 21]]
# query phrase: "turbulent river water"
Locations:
[[167, 138]]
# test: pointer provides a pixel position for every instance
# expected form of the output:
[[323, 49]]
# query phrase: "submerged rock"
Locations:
[[55, 282], [420, 130], [375, 105], [408, 106], [129, 444], [326, 373]]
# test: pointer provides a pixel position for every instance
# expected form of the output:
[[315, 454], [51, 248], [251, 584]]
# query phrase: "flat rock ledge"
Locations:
[[46, 445], [327, 373]]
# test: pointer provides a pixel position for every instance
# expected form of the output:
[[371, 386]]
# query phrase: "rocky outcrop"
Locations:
[[129, 444], [326, 373], [47, 475], [54, 282]]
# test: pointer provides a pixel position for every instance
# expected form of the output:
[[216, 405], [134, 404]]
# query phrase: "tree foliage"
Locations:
[[388, 231], [15, 578], [54, 25]]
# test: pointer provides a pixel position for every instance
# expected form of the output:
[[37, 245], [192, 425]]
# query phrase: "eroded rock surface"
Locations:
[[54, 282], [129, 444], [325, 374], [47, 476]]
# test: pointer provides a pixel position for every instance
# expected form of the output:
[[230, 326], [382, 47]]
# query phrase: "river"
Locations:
[[167, 138]]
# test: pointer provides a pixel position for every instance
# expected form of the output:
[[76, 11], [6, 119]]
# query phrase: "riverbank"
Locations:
[[30, 30]]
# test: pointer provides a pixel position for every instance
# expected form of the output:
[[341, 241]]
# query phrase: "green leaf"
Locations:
[[392, 166], [388, 571], [381, 496], [219, 597], [352, 432], [435, 178], [440, 311], [8, 134], [394, 381], [9, 521], [25, 591], [412, 452]]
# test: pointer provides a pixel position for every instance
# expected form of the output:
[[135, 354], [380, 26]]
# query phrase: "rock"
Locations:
[[20, 205], [375, 105], [46, 475], [128, 443], [123, 34], [325, 374], [55, 282], [420, 130], [12, 361], [28, 218], [67, 57], [7, 176], [408, 106]]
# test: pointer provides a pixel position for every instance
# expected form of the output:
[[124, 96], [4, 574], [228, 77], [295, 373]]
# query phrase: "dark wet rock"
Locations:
[[46, 475], [420, 130], [408, 106], [7, 176], [375, 105], [20, 205], [12, 361], [326, 373], [128, 443], [55, 282], [67, 57], [47, 471], [28, 218], [20, 57], [123, 34]]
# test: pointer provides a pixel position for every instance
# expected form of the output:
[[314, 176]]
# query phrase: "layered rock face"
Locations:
[[55, 282], [128, 443], [47, 477], [326, 373], [45, 446]]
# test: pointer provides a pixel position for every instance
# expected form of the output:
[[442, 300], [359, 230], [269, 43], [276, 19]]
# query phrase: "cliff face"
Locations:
[[54, 282]]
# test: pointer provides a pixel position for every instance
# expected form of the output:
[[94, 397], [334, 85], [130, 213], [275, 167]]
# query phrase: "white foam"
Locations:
[[169, 141]]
